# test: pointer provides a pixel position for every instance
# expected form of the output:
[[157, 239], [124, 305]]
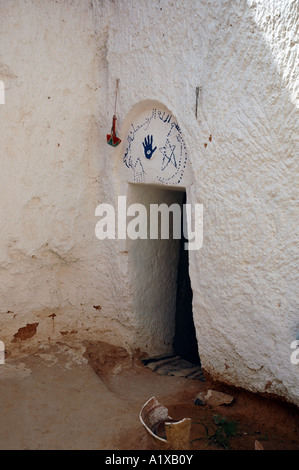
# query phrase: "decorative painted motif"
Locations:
[[148, 147], [155, 149]]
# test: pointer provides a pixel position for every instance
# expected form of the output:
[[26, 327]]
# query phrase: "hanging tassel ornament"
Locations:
[[112, 139]]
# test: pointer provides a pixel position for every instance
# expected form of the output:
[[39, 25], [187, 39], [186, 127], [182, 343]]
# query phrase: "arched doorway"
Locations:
[[154, 169]]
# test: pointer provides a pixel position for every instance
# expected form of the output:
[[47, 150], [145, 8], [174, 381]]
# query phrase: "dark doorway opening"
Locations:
[[162, 296], [184, 342]]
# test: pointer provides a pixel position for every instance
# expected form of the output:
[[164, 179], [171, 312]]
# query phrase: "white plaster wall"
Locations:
[[54, 273], [59, 62], [243, 149]]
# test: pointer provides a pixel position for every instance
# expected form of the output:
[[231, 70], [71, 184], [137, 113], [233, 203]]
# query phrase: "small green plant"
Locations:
[[221, 434], [225, 430]]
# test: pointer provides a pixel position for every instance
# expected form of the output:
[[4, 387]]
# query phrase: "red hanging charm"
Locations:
[[111, 138]]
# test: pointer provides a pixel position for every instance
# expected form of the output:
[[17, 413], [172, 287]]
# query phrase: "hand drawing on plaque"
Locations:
[[155, 151], [148, 147]]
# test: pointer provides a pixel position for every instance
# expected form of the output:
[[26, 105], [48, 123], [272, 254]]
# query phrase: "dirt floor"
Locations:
[[88, 396]]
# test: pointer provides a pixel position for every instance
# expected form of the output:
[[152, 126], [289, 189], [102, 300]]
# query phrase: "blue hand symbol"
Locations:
[[148, 147]]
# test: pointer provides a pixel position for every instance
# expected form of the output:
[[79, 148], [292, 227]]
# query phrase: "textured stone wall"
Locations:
[[59, 62]]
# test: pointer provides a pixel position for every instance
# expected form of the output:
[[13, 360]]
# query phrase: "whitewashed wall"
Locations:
[[53, 151], [59, 62]]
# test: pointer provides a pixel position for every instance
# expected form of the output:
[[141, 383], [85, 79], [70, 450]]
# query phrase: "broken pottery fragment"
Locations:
[[258, 446], [164, 432]]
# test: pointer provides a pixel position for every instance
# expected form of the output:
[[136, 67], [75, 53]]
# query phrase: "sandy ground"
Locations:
[[88, 396]]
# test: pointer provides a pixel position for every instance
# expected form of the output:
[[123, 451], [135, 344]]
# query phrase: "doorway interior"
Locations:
[[161, 283], [184, 342]]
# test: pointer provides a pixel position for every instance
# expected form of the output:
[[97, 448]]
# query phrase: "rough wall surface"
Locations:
[[52, 267], [59, 62]]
